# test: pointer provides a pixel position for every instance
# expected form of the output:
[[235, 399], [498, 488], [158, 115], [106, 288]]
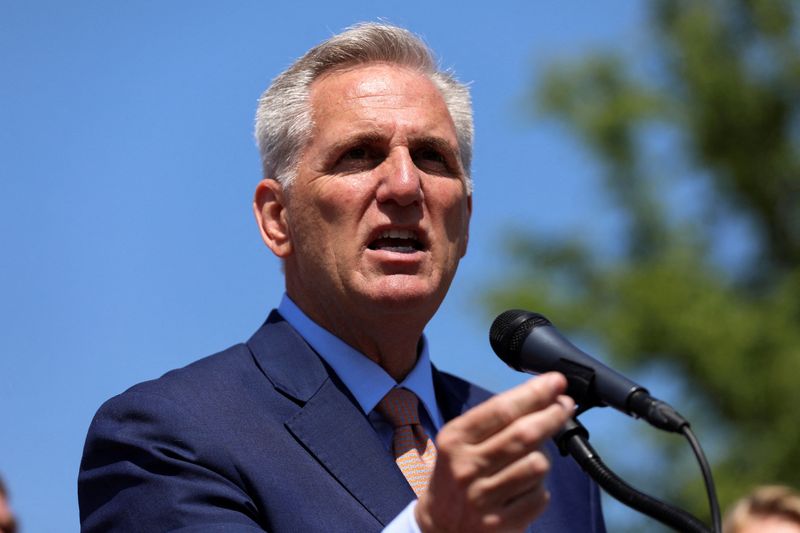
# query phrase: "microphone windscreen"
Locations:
[[509, 331]]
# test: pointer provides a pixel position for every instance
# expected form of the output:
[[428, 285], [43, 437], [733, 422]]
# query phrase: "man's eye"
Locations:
[[433, 161], [359, 153], [357, 159], [431, 155]]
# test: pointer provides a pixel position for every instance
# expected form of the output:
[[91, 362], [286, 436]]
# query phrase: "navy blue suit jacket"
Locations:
[[263, 436]]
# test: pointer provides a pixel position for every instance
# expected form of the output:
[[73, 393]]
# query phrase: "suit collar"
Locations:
[[329, 424], [286, 360]]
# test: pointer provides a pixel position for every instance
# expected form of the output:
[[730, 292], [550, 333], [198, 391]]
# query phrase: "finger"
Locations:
[[520, 477], [525, 435], [526, 507], [493, 415], [520, 512]]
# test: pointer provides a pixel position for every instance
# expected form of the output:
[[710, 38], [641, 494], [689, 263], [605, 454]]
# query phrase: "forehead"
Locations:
[[379, 96]]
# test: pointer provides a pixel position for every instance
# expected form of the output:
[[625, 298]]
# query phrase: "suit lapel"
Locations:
[[342, 439], [329, 424]]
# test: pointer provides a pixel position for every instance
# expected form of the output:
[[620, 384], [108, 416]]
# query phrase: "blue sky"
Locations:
[[127, 168]]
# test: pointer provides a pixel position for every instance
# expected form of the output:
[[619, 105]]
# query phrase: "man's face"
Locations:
[[379, 212]]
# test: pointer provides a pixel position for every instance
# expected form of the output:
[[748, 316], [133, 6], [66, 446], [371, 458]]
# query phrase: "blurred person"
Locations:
[[8, 524], [325, 420], [767, 509]]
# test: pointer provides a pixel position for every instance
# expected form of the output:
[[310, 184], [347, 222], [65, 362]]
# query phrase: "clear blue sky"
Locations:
[[127, 168]]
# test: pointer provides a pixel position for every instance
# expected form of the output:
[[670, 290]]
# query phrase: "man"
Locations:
[[323, 420]]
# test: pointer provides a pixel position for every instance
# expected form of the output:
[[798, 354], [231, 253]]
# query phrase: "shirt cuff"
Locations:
[[405, 522]]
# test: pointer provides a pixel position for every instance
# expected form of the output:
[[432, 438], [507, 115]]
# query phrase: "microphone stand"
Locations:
[[573, 439]]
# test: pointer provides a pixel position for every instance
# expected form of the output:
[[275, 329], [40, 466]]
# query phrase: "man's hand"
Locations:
[[490, 466]]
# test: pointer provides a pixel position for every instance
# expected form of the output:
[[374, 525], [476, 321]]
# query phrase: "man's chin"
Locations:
[[404, 293]]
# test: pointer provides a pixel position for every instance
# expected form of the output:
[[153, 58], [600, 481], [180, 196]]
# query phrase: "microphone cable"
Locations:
[[708, 479], [573, 439]]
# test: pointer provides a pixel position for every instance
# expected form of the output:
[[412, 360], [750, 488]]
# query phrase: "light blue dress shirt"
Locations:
[[368, 383]]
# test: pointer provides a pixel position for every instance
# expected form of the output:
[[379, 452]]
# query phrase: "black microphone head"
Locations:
[[528, 342], [509, 331]]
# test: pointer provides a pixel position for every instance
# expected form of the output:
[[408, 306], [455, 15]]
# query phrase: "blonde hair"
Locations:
[[776, 501]]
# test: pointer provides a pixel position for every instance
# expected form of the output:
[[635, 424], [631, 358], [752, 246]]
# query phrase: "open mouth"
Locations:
[[398, 241]]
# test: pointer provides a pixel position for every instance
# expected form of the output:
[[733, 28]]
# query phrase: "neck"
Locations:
[[396, 354], [390, 339]]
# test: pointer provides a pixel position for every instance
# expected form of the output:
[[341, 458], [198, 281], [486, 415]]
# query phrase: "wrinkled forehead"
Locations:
[[375, 80], [380, 92]]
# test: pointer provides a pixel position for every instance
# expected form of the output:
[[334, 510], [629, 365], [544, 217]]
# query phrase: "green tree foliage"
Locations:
[[712, 104]]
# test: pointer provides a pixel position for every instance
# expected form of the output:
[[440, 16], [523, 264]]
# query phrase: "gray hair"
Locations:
[[283, 119]]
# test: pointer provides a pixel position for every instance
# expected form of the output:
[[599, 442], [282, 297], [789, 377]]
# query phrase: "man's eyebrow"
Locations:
[[435, 142], [367, 137]]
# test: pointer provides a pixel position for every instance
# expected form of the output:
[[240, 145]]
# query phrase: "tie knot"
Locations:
[[400, 407]]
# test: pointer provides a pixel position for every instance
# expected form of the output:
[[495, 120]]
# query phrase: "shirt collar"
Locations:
[[365, 379]]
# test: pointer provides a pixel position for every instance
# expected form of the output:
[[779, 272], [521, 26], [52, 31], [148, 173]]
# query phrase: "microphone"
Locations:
[[529, 342]]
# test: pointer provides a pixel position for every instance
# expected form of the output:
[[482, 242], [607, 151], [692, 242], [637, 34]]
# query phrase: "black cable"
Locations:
[[707, 478], [663, 416], [573, 439]]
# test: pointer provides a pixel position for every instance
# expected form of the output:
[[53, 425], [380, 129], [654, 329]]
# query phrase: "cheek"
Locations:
[[328, 224], [455, 213], [340, 201]]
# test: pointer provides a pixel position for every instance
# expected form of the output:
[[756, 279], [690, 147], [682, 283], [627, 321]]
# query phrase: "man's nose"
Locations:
[[399, 179]]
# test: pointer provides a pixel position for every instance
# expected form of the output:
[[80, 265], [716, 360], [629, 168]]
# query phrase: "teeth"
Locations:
[[397, 234]]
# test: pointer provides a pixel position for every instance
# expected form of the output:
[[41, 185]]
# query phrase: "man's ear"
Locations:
[[466, 230], [269, 206]]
